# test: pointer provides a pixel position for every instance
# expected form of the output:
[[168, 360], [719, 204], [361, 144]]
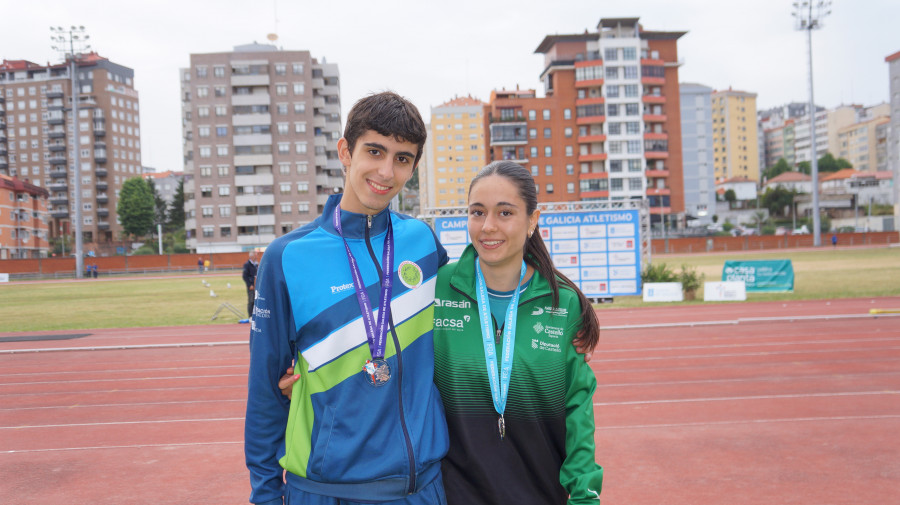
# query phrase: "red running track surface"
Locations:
[[795, 402]]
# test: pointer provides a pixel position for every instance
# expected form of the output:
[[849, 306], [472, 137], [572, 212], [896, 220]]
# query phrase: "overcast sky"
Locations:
[[431, 51]]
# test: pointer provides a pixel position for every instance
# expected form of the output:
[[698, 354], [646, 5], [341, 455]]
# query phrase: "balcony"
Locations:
[[58, 185], [100, 155], [589, 139], [59, 213], [57, 133], [653, 99], [102, 186], [102, 198], [102, 225], [56, 118], [586, 120], [656, 174], [59, 200], [3, 163], [590, 101], [656, 136], [100, 171], [654, 118], [2, 124], [593, 157], [102, 211], [588, 83], [509, 134], [58, 174], [56, 148], [656, 155], [3, 150], [54, 94], [56, 104], [99, 128], [57, 160]]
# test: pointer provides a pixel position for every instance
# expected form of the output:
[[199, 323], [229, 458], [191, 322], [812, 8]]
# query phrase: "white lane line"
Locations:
[[120, 423], [119, 405], [776, 378], [138, 446], [123, 347], [750, 344], [744, 320], [748, 421], [123, 379], [741, 398], [123, 370], [674, 357], [126, 391]]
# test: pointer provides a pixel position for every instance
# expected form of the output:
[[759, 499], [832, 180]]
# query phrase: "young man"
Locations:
[[365, 423]]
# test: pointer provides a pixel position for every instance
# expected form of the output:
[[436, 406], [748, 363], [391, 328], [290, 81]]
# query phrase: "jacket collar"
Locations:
[[352, 224], [463, 278]]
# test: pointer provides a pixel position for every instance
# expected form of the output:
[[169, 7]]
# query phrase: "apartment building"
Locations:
[[608, 127], [260, 128], [39, 137], [735, 143], [166, 183], [24, 220], [893, 148], [457, 151], [697, 134]]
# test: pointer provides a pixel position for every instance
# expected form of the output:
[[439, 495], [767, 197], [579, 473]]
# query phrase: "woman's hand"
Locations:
[[286, 382]]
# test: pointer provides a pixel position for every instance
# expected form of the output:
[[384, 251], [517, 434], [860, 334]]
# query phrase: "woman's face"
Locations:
[[499, 223]]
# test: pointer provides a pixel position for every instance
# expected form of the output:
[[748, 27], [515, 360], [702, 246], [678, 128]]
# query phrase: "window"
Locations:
[[569, 151], [632, 127], [632, 109], [548, 170], [223, 170], [303, 207], [532, 115], [615, 184], [300, 147], [280, 69], [567, 132], [570, 187], [297, 68], [224, 190], [548, 152], [634, 147], [284, 147], [281, 89], [286, 208], [614, 128], [635, 184], [219, 90], [202, 131], [612, 72], [206, 211], [281, 108], [634, 165], [612, 109], [299, 88], [201, 112], [550, 188], [221, 110], [612, 91], [610, 54], [302, 187], [284, 188], [221, 150], [629, 53], [219, 71], [208, 231], [615, 147], [205, 171], [532, 133], [299, 107], [201, 71], [546, 114], [225, 231], [534, 152], [224, 210], [205, 151], [221, 131], [615, 165], [546, 133], [299, 127], [202, 91], [567, 113], [534, 170]]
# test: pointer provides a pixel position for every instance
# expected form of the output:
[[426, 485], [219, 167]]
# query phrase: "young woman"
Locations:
[[516, 392], [517, 395]]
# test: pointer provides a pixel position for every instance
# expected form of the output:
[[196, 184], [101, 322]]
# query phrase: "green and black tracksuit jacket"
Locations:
[[547, 456]]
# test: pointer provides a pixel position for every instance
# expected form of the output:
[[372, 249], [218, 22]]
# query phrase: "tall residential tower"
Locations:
[[260, 129]]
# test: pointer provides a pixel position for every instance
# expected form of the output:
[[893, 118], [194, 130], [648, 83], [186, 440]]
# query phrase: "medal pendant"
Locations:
[[501, 426], [377, 372]]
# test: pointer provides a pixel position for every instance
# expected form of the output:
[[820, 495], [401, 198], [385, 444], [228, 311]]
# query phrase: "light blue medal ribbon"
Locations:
[[499, 381]]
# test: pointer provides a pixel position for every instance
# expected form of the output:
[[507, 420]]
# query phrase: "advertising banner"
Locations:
[[663, 292], [734, 291], [598, 250], [761, 276]]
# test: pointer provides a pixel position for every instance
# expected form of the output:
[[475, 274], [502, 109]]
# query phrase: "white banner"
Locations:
[[727, 291], [663, 292], [4, 277]]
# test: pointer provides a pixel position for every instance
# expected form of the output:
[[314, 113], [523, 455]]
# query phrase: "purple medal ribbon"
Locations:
[[377, 338]]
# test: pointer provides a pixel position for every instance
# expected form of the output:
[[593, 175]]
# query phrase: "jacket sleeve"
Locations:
[[267, 409], [580, 475]]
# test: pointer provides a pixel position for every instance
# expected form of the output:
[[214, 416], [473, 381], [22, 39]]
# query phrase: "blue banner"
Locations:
[[761, 276]]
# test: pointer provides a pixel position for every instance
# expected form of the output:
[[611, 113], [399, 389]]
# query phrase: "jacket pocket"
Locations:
[[323, 437]]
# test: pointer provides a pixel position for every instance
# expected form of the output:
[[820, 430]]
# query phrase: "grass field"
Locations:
[[133, 302]]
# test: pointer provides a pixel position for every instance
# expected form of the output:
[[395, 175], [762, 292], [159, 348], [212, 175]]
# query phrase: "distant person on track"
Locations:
[[834, 240], [200, 264], [249, 276]]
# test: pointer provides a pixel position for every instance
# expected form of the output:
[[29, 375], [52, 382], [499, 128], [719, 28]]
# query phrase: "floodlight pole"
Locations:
[[809, 14], [63, 37]]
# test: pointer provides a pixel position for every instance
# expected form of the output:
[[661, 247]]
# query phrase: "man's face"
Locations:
[[377, 169]]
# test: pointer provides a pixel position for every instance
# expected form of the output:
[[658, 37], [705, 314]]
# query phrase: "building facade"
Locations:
[[166, 183], [260, 129], [608, 127], [24, 220], [893, 148], [697, 134], [457, 151], [735, 144], [39, 137]]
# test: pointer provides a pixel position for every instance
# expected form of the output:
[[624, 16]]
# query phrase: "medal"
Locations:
[[376, 370], [498, 380]]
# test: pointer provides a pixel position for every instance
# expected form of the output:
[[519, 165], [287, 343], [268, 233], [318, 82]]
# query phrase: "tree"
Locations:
[[777, 199], [827, 164], [730, 197], [175, 220], [804, 167], [136, 207], [161, 208], [779, 168]]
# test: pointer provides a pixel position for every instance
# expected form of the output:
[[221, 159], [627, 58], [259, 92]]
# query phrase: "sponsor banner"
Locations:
[[4, 277], [663, 292], [598, 250], [761, 276], [733, 291]]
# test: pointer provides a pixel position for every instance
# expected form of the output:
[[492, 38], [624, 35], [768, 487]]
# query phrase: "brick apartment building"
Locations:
[[38, 137], [608, 127], [24, 221]]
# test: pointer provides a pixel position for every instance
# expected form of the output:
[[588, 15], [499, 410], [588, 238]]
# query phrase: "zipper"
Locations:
[[409, 449]]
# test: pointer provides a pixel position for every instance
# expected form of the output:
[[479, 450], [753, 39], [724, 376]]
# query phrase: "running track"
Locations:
[[756, 403]]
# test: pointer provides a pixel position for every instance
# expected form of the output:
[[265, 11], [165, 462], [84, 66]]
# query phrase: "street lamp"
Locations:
[[808, 15], [64, 41]]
